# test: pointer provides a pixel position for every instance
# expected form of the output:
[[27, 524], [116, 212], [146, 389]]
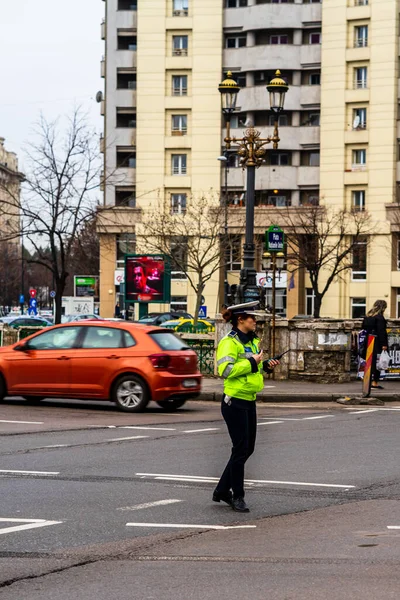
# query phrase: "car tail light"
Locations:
[[160, 361]]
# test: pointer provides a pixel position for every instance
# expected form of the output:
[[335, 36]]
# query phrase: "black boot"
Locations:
[[225, 497], [240, 505]]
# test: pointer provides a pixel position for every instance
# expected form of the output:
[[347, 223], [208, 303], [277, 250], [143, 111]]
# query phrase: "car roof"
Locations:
[[113, 324]]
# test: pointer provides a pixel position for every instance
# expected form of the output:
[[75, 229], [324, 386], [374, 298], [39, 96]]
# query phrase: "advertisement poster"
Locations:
[[87, 286], [147, 279], [393, 371]]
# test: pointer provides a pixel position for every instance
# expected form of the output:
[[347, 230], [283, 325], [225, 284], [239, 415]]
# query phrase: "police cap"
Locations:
[[248, 308]]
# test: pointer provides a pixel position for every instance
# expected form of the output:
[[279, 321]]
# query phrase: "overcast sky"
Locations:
[[50, 52]]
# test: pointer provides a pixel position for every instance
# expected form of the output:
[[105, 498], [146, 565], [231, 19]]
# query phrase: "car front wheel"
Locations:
[[171, 405], [130, 394]]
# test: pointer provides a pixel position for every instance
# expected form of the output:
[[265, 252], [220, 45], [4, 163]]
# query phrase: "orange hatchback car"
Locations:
[[126, 363]]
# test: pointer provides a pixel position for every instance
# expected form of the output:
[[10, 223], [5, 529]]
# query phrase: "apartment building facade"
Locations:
[[10, 183], [339, 131]]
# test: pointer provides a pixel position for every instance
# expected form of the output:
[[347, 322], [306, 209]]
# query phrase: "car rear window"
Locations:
[[166, 340]]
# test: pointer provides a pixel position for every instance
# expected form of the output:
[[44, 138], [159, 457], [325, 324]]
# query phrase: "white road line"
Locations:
[[134, 437], [57, 446], [24, 422], [197, 478], [150, 504], [187, 526], [28, 524], [31, 472], [319, 417], [199, 430], [282, 419], [270, 423], [393, 526], [153, 428], [362, 412]]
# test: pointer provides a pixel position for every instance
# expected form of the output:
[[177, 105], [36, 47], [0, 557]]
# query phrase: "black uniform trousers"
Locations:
[[241, 419]]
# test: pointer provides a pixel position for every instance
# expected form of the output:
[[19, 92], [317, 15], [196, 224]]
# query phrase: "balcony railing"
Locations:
[[180, 52], [182, 131], [180, 13]]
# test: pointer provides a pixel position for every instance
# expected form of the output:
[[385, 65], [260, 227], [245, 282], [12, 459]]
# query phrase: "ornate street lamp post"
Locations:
[[251, 149]]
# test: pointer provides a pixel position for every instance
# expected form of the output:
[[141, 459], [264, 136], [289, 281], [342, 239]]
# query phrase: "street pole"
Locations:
[[226, 230], [273, 301], [248, 276], [22, 272]]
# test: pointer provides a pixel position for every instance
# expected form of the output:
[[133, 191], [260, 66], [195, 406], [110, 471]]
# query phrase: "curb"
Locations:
[[284, 398]]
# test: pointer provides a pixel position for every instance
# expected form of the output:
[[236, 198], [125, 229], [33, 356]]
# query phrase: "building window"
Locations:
[[180, 8], [309, 198], [278, 201], [126, 158], [178, 204], [314, 79], [361, 36], [179, 125], [359, 160], [237, 41], [360, 118], [233, 254], [310, 119], [398, 254], [126, 244], [179, 85], [314, 38], [360, 2], [282, 38], [126, 42], [360, 78], [235, 3], [358, 307], [358, 200], [179, 303], [310, 159], [310, 301], [283, 120], [359, 267], [179, 257], [127, 4], [278, 198], [281, 159], [126, 81], [179, 164], [179, 45], [125, 197], [126, 118]]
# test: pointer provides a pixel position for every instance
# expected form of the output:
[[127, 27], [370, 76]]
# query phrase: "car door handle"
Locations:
[[113, 356], [63, 358]]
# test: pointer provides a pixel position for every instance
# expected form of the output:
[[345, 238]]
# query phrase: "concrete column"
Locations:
[[249, 79], [295, 118], [297, 37], [296, 158], [251, 39], [107, 268], [250, 118], [296, 198], [296, 78], [251, 2]]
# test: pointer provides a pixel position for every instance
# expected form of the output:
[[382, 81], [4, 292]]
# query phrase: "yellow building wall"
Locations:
[[338, 98]]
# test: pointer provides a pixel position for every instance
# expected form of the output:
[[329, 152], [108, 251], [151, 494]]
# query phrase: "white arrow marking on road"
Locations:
[[150, 504], [134, 437], [24, 422], [31, 472], [248, 481], [28, 524], [186, 526], [199, 430]]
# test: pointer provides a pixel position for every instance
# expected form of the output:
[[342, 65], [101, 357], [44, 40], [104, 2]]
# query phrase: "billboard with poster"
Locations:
[[147, 278], [86, 285]]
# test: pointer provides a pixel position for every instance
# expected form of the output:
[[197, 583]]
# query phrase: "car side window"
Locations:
[[63, 338], [102, 337], [128, 339]]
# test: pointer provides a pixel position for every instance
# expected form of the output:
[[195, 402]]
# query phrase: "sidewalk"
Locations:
[[302, 391]]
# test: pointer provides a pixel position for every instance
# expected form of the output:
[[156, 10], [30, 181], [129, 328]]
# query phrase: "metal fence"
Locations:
[[204, 346]]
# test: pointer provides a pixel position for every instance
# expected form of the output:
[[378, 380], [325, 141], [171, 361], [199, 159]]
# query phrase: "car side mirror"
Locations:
[[21, 348]]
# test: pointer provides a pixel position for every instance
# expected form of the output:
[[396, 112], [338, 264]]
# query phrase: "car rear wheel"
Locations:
[[130, 394], [171, 405], [33, 399]]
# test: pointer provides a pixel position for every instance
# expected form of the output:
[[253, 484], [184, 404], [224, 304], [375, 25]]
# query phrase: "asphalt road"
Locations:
[[100, 504]]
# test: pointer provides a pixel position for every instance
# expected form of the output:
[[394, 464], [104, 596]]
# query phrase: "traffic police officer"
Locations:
[[240, 362]]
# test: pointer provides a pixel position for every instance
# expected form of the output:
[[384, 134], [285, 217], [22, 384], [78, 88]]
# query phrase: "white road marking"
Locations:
[[57, 446], [27, 524], [393, 526], [197, 478], [24, 422], [134, 437], [31, 472], [282, 419], [318, 417], [153, 428], [362, 412], [150, 504], [199, 430], [187, 526], [270, 423]]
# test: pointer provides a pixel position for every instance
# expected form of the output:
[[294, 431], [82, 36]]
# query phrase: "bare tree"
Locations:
[[193, 240], [63, 171], [326, 243]]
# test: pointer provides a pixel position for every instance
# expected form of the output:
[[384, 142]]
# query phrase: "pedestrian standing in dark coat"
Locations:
[[375, 324]]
